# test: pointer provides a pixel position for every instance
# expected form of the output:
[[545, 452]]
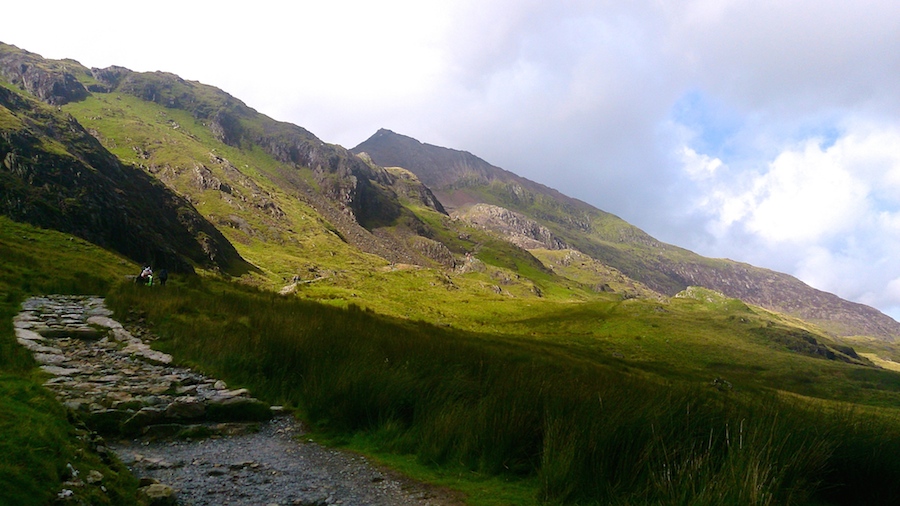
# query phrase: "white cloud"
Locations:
[[828, 214], [699, 166], [807, 194], [892, 290]]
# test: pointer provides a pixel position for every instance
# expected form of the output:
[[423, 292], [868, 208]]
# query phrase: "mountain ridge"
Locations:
[[663, 267], [366, 206]]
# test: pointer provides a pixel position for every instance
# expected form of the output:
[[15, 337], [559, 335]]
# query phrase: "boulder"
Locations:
[[106, 421], [159, 494], [144, 417], [186, 407]]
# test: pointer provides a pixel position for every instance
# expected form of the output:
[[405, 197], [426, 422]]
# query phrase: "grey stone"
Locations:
[[34, 347], [94, 476], [159, 494], [141, 419], [105, 321], [60, 371], [49, 358], [187, 407], [28, 334], [106, 421]]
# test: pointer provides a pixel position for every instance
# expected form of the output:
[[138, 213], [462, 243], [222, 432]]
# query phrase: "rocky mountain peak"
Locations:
[[53, 82]]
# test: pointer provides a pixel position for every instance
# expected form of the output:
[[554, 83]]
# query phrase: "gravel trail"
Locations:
[[112, 379], [273, 466]]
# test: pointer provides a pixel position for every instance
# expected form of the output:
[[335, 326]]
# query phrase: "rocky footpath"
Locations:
[[189, 437], [115, 382]]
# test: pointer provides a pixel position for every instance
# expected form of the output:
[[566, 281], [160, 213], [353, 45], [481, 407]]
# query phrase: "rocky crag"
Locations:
[[189, 437]]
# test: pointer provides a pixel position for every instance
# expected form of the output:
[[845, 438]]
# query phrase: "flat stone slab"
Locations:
[[31, 335], [86, 333], [34, 347], [50, 358], [104, 321], [60, 371]]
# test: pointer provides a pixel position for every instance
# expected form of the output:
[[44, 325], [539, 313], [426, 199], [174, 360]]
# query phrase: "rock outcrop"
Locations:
[[515, 227], [54, 174], [461, 179], [50, 81]]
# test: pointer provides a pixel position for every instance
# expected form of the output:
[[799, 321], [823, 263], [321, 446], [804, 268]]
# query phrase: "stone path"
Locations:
[[186, 435]]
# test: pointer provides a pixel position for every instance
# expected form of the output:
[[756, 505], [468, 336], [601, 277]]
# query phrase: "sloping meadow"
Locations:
[[582, 431]]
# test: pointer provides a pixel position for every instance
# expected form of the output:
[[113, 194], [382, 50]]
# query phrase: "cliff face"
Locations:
[[49, 81], [451, 173], [355, 187]]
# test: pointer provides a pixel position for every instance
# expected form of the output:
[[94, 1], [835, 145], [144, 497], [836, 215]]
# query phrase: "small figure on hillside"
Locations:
[[147, 276], [163, 276]]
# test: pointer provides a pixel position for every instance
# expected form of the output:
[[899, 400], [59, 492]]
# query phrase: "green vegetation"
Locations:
[[555, 421], [517, 377], [37, 441]]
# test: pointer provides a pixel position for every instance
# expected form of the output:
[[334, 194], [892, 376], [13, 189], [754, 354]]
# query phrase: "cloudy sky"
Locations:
[[759, 130]]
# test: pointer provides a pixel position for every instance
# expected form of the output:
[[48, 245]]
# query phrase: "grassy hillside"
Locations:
[[292, 243], [689, 405], [666, 400], [36, 439], [54, 174]]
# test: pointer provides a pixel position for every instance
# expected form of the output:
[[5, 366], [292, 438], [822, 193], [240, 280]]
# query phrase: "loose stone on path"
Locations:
[[189, 437]]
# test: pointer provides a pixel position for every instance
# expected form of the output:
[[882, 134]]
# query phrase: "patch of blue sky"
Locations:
[[713, 124], [721, 131], [825, 128], [826, 133], [884, 201]]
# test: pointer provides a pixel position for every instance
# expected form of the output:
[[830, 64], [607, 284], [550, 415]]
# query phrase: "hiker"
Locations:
[[147, 276], [163, 275]]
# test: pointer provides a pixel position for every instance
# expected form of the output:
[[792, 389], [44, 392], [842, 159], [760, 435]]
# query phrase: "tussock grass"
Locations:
[[585, 431]]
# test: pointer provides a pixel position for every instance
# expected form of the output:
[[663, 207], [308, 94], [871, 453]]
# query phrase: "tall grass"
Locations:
[[587, 432]]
